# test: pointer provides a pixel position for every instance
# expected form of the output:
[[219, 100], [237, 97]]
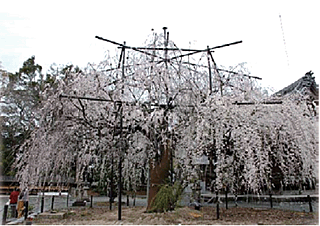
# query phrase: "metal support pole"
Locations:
[[42, 204], [121, 141], [210, 76], [236, 199], [148, 179], [134, 200], [123, 60], [68, 200], [218, 210], [216, 71], [4, 216], [120, 175], [26, 210], [271, 205], [111, 184], [91, 201], [171, 164], [128, 200], [165, 46], [52, 202], [226, 197], [310, 204]]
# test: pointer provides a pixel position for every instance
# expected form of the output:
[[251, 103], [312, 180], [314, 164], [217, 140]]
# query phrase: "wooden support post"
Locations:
[[42, 204], [52, 202], [91, 201], [236, 199], [310, 204], [4, 216], [271, 206]]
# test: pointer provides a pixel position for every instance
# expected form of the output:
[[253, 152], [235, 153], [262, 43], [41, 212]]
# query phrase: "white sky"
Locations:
[[63, 32]]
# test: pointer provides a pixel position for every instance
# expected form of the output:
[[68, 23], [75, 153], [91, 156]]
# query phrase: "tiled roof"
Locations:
[[305, 86]]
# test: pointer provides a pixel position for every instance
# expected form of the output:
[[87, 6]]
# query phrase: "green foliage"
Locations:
[[30, 208], [167, 198], [21, 96]]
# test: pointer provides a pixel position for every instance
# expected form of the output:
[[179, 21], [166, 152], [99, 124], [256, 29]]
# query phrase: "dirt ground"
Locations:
[[185, 215]]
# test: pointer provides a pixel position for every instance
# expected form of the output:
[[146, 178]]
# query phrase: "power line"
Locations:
[[284, 41]]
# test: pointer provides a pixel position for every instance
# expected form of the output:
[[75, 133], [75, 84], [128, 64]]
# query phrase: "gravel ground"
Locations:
[[259, 212], [186, 215]]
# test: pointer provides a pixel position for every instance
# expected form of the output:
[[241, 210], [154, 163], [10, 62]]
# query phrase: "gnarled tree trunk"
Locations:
[[159, 172]]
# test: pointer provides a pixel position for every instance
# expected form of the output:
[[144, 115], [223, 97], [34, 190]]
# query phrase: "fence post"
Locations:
[[271, 200], [4, 217], [52, 201], [310, 204], [42, 204], [91, 202]]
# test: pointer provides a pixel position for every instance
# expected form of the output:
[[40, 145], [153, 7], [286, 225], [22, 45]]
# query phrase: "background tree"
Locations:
[[21, 95]]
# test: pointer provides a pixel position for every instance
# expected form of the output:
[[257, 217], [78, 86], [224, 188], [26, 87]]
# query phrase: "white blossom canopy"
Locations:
[[163, 100]]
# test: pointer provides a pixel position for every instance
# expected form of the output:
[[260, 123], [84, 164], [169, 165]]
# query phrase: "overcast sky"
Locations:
[[63, 32]]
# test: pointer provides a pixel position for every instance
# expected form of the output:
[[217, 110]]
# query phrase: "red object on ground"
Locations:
[[14, 197]]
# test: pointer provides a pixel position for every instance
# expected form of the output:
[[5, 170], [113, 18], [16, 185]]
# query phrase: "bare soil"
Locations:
[[185, 215]]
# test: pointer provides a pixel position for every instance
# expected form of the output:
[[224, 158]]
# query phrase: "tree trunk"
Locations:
[[159, 172]]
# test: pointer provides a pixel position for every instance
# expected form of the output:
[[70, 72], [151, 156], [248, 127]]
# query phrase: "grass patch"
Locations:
[[71, 213], [167, 198]]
